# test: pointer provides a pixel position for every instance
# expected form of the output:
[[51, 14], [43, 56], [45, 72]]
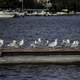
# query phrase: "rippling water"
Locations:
[[31, 28], [40, 72]]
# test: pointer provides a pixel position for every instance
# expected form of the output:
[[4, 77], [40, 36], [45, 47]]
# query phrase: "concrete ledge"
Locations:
[[38, 51], [39, 55], [40, 59]]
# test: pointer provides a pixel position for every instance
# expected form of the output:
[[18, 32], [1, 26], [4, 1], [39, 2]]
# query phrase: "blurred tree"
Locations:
[[57, 5]]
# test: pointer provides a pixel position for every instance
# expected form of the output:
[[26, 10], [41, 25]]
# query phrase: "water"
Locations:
[[31, 28], [40, 72]]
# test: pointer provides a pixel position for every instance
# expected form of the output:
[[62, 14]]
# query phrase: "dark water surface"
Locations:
[[40, 72], [31, 28]]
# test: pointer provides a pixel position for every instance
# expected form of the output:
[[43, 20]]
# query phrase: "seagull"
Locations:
[[53, 44], [47, 42], [21, 43], [35, 42], [13, 44], [39, 40], [33, 45], [41, 43], [65, 43], [75, 44], [1, 43]]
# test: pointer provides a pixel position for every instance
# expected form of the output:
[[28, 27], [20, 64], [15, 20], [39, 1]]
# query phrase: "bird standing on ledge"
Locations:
[[21, 43], [13, 44], [53, 44], [1, 43]]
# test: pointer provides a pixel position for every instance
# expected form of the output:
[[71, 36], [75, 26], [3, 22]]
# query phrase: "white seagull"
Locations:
[[53, 44], [21, 43], [13, 44], [1, 43], [34, 44], [66, 43], [47, 42], [39, 40], [75, 44]]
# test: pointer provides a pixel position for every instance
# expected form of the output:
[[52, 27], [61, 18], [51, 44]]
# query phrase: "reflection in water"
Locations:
[[40, 72]]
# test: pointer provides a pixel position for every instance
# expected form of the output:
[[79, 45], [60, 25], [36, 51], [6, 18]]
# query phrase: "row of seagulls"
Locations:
[[65, 43], [15, 44], [39, 43]]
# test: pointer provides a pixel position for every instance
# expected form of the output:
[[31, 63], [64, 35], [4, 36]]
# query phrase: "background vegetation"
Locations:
[[57, 5]]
